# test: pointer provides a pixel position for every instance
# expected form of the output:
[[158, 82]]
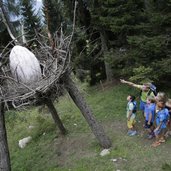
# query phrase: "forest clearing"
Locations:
[[62, 104], [79, 150]]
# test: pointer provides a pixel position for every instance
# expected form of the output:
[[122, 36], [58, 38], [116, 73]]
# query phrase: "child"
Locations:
[[161, 96], [131, 112], [145, 91], [161, 123], [168, 106], [149, 114]]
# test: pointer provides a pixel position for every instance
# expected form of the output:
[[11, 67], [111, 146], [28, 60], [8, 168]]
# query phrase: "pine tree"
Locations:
[[137, 34], [31, 20], [116, 20], [153, 42], [7, 11], [53, 13]]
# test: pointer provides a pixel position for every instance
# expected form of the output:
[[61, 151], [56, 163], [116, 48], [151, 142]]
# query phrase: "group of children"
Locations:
[[156, 110]]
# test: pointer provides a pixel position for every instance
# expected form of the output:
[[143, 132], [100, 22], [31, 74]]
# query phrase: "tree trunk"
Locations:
[[79, 100], [109, 73], [55, 116], [4, 151], [49, 23], [7, 22]]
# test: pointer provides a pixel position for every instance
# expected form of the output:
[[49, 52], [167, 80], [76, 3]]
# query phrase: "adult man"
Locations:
[[145, 92]]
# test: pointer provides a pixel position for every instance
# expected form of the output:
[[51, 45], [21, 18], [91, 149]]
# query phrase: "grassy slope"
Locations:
[[79, 150]]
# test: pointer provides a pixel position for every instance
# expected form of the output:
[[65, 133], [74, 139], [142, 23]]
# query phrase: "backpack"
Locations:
[[135, 107], [153, 89]]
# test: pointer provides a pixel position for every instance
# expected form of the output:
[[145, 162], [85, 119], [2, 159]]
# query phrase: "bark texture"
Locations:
[[4, 151]]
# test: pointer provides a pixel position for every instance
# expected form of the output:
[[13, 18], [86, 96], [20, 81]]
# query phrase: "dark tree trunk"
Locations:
[[55, 116], [4, 151], [109, 73], [79, 100], [10, 28], [49, 23]]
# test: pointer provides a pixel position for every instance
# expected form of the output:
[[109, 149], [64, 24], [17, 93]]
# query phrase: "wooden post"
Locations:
[[4, 151], [55, 116], [79, 100]]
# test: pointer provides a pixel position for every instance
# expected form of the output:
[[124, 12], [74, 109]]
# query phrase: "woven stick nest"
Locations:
[[55, 63]]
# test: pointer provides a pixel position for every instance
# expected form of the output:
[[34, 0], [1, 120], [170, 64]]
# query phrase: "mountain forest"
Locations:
[[112, 39], [90, 44]]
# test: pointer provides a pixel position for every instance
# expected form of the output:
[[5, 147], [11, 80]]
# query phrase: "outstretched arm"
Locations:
[[131, 84]]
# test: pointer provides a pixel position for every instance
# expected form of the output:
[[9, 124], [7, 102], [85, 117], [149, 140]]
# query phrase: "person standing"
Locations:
[[162, 117], [131, 114], [149, 114], [144, 93]]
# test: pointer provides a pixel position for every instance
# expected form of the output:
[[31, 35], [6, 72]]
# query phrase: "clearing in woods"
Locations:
[[79, 150]]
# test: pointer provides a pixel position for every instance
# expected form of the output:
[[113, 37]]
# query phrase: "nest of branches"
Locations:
[[55, 62]]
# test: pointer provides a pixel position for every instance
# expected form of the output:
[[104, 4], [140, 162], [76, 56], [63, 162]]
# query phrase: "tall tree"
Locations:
[[31, 20], [118, 20], [113, 20], [53, 17], [6, 19], [85, 46], [152, 42]]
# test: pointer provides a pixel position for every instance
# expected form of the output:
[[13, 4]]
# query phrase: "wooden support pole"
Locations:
[[55, 116], [79, 100], [4, 151]]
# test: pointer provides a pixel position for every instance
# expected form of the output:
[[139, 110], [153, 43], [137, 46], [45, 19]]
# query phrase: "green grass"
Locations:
[[79, 150]]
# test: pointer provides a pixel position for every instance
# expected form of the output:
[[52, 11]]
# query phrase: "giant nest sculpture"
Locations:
[[39, 77]]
